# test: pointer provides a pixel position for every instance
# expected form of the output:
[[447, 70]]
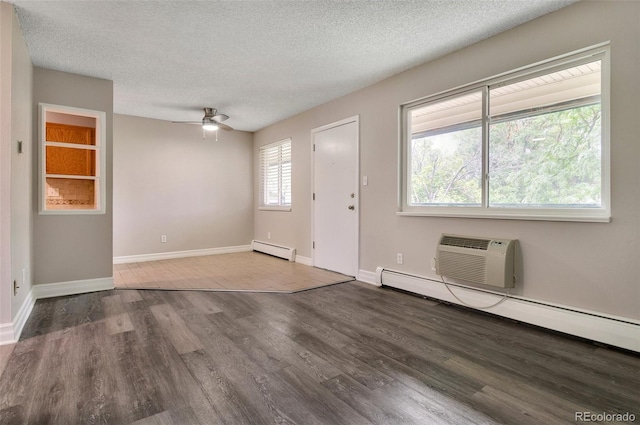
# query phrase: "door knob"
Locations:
[[352, 207]]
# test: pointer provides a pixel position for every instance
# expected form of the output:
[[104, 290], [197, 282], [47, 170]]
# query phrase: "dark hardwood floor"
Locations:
[[344, 354]]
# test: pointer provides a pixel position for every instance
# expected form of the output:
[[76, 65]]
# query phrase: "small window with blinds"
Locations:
[[275, 176], [531, 144]]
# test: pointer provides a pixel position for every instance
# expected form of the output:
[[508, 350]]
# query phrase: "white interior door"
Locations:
[[335, 208]]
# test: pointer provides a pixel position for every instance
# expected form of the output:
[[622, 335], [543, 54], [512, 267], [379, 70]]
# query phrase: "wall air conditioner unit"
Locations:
[[478, 260]]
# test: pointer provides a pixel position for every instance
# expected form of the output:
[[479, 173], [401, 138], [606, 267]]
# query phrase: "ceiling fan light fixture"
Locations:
[[209, 125]]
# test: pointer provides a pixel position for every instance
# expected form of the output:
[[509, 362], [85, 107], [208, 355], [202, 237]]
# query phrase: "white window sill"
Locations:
[[71, 212], [598, 216], [274, 208]]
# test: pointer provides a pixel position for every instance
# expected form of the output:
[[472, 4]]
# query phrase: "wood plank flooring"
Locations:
[[344, 354], [5, 353], [242, 271]]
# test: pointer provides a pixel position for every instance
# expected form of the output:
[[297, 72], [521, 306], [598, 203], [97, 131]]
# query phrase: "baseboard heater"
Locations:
[[276, 250], [617, 331]]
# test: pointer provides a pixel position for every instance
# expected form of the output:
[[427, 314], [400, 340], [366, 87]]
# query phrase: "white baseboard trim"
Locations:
[[60, 289], [23, 314], [10, 332], [180, 254], [303, 260], [613, 330], [7, 334], [367, 277]]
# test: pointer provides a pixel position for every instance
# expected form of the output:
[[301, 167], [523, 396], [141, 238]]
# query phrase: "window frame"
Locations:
[[100, 148], [262, 205], [602, 214]]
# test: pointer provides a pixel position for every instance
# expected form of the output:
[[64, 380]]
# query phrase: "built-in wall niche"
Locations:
[[72, 145]]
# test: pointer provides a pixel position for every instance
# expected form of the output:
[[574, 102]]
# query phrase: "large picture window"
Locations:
[[275, 176], [532, 144], [72, 160]]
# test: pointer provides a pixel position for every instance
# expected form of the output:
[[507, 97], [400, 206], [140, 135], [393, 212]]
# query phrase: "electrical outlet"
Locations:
[[399, 258], [268, 235], [163, 238], [433, 264]]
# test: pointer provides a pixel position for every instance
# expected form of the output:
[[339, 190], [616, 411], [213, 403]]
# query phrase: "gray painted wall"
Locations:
[[586, 265], [73, 247], [170, 181]]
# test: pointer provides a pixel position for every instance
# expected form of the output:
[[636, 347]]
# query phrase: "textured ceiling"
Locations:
[[256, 61]]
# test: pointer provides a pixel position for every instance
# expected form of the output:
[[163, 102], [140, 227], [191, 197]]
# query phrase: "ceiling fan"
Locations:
[[211, 121]]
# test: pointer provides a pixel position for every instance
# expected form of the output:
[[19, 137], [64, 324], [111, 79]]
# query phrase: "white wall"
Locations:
[[6, 292], [16, 72], [21, 167], [586, 265], [170, 181]]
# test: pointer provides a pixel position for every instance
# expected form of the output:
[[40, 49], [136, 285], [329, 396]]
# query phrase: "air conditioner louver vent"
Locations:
[[464, 266], [486, 261], [465, 242]]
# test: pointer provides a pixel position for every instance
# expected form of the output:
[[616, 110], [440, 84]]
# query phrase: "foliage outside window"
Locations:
[[72, 160], [275, 176], [529, 145]]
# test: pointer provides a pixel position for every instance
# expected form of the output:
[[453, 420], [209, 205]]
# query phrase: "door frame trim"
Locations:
[[353, 119]]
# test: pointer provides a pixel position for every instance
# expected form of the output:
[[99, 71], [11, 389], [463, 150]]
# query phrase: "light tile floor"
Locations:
[[243, 271]]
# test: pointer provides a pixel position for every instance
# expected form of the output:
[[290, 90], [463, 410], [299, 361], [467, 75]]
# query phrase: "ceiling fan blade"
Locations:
[[220, 117], [211, 117]]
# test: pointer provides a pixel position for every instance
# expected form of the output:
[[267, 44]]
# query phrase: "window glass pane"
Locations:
[[446, 152], [545, 141], [70, 194], [547, 161], [556, 88]]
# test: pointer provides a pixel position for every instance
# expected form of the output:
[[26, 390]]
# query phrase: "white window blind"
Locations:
[[275, 174]]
